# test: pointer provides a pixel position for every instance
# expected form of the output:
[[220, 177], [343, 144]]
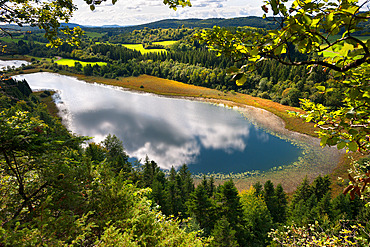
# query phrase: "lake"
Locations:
[[4, 64], [171, 131]]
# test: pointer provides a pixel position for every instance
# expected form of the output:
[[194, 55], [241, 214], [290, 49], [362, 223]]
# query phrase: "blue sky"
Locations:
[[135, 12]]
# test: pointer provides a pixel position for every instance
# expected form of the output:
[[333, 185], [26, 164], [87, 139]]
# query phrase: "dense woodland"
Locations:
[[187, 61]]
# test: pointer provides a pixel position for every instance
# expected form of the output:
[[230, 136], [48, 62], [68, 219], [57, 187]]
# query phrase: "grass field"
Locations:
[[9, 39], [166, 43], [71, 62], [139, 47], [94, 34]]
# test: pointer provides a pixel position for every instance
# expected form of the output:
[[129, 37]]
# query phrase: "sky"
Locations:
[[136, 12]]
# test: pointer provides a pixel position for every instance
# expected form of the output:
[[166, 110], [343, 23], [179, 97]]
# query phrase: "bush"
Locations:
[[284, 101], [264, 95]]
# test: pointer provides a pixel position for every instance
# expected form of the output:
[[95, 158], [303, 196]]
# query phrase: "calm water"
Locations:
[[4, 64], [170, 131]]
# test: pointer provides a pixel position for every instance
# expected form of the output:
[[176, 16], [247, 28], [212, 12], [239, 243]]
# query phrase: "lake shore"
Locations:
[[265, 113]]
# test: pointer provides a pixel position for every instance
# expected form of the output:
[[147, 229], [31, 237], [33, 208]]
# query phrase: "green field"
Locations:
[[166, 43], [139, 47], [9, 39], [71, 62], [94, 34]]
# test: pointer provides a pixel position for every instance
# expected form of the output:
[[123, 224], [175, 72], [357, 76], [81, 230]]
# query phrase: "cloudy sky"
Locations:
[[135, 12]]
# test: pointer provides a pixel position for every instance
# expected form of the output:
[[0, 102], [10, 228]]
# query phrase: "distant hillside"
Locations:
[[251, 21]]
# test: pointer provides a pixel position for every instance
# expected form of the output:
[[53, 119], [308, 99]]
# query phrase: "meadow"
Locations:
[[10, 39], [71, 62], [139, 47], [94, 34]]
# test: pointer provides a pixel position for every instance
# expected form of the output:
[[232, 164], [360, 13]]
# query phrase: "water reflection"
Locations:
[[170, 131], [4, 64]]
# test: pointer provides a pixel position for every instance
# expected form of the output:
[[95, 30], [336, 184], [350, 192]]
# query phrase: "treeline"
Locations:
[[147, 35], [250, 21]]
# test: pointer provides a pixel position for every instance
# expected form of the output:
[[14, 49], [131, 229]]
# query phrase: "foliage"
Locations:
[[314, 235], [44, 15], [359, 177], [223, 234]]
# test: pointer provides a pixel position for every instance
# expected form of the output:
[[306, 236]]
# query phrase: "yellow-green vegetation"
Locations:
[[165, 43], [71, 62], [94, 34], [139, 47], [10, 39]]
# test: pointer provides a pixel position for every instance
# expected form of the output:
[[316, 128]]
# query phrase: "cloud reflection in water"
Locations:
[[170, 131]]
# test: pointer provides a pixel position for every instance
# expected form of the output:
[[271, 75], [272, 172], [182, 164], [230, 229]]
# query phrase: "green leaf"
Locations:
[[341, 145], [241, 81], [321, 88], [232, 69], [352, 146], [353, 132], [323, 140], [274, 4]]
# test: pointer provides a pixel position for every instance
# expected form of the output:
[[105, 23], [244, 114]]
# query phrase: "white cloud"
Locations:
[[143, 11]]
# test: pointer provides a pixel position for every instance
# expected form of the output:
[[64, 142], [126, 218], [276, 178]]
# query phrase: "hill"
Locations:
[[251, 21]]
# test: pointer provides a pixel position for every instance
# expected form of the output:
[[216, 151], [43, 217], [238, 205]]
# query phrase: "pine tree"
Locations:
[[282, 204], [202, 208], [232, 208], [270, 199], [321, 186], [223, 234]]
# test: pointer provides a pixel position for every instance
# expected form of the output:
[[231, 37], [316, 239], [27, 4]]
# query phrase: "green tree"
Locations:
[[116, 155], [223, 234], [202, 208], [88, 70], [270, 199], [27, 149], [230, 206], [258, 217], [282, 204]]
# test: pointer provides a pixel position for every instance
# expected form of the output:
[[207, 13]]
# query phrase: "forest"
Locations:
[[187, 61], [57, 191]]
